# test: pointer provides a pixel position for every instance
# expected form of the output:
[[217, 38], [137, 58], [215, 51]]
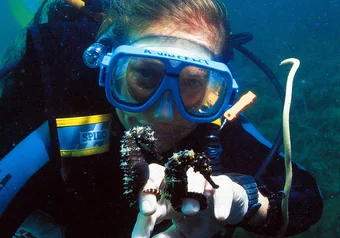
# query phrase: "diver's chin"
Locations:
[[164, 147], [167, 141]]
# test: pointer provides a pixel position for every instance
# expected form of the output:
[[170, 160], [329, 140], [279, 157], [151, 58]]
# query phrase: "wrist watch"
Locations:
[[249, 184]]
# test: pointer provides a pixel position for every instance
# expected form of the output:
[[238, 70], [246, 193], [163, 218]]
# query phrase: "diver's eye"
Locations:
[[191, 83], [145, 77], [193, 79], [146, 73]]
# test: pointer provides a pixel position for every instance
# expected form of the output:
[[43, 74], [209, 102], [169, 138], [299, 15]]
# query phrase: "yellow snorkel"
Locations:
[[81, 5]]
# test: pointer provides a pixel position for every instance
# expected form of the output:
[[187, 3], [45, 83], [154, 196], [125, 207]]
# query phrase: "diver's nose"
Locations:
[[164, 108]]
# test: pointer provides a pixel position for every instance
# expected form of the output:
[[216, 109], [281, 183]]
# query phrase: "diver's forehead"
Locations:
[[174, 45]]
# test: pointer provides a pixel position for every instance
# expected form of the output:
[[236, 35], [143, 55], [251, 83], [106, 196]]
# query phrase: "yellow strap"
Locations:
[[84, 152], [84, 120]]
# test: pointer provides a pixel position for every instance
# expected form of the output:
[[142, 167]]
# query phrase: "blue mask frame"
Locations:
[[170, 80]]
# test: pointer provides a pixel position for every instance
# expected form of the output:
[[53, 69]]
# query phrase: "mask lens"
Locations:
[[202, 90], [136, 79]]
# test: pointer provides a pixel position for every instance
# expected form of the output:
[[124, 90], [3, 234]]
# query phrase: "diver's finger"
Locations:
[[143, 226], [171, 232], [148, 197], [156, 174], [223, 197], [196, 181], [148, 201], [190, 206], [196, 184], [201, 225]]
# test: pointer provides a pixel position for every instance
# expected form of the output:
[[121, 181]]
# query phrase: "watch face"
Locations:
[[249, 184]]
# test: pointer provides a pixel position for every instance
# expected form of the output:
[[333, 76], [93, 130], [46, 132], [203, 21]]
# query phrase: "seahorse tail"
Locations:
[[201, 163], [176, 181]]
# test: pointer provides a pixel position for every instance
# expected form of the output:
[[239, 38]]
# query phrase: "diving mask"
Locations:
[[136, 77]]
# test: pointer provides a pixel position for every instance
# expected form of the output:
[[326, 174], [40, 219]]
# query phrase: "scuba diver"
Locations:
[[71, 98]]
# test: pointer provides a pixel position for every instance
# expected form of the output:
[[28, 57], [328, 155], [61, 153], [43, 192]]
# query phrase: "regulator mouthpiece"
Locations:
[[94, 55]]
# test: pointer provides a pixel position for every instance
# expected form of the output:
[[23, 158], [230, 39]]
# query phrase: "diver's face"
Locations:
[[169, 129]]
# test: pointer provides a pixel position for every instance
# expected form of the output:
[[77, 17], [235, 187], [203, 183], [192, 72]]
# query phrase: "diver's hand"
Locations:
[[227, 205]]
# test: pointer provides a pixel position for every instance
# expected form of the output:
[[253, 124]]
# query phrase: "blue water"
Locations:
[[309, 31], [9, 28]]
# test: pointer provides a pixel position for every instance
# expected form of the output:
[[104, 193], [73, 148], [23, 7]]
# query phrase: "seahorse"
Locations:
[[176, 180], [133, 164], [136, 170]]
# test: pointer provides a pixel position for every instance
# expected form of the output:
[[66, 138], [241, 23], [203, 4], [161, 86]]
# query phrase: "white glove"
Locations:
[[227, 205]]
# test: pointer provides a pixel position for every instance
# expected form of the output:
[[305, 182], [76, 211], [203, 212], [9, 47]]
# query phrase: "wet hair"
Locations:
[[124, 17]]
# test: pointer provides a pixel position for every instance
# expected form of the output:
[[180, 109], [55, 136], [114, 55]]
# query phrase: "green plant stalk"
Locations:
[[287, 143]]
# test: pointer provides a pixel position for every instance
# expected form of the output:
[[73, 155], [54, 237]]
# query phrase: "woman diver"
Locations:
[[61, 171]]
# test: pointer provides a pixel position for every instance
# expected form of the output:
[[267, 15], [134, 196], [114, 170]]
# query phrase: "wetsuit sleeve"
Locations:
[[24, 147], [244, 151], [24, 185]]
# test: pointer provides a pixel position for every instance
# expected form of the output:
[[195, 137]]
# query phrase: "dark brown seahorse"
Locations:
[[133, 164], [176, 180]]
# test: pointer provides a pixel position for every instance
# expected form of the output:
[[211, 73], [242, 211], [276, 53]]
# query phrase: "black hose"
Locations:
[[265, 69], [240, 38], [236, 42], [36, 19]]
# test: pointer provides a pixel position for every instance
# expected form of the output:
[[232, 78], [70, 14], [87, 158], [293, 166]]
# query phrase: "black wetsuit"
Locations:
[[51, 82]]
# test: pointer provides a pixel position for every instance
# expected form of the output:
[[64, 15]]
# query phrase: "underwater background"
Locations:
[[310, 31], [305, 29]]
